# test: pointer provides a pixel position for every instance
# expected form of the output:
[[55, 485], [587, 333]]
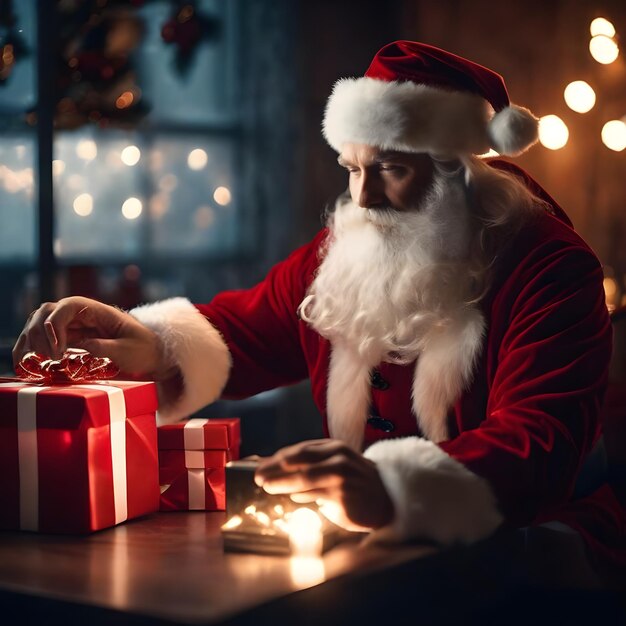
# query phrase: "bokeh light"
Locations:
[[579, 96], [553, 133], [159, 205], [168, 183], [204, 217], [132, 272], [601, 26], [130, 155], [83, 205], [197, 159], [603, 49], [14, 181], [222, 196], [124, 100], [87, 149], [58, 167], [614, 135], [131, 209], [156, 160]]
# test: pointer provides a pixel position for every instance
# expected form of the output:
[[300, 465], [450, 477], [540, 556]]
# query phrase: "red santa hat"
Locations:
[[418, 98]]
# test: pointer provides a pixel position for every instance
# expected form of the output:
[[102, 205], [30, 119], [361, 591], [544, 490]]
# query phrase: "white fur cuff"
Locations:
[[195, 346], [435, 496]]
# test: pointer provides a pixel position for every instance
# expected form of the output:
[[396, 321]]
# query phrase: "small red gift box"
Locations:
[[77, 458], [192, 462]]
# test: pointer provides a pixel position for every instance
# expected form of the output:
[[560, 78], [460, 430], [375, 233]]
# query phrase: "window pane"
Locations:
[[98, 199], [202, 93], [17, 205], [123, 196], [193, 211]]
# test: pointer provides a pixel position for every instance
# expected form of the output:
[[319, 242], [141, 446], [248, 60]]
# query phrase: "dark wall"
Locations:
[[335, 39]]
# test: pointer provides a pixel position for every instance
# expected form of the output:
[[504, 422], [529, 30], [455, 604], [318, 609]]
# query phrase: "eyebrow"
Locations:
[[382, 156]]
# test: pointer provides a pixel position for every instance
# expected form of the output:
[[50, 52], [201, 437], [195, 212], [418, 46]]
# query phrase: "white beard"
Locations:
[[389, 278]]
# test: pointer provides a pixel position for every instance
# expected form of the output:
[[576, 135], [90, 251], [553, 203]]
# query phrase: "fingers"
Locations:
[[126, 353], [55, 326], [34, 336], [98, 328], [329, 472], [301, 456], [19, 349], [306, 497], [51, 334], [76, 312], [252, 457], [321, 476], [111, 348]]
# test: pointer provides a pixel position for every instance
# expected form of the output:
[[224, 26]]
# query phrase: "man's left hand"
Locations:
[[347, 486]]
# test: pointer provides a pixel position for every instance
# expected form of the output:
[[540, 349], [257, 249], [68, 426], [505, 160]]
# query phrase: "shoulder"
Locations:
[[547, 241], [546, 238], [550, 275], [532, 185]]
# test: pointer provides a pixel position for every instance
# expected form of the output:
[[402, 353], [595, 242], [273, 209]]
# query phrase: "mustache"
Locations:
[[383, 217]]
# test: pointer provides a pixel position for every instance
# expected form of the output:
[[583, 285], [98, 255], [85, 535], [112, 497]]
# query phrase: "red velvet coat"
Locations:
[[531, 414]]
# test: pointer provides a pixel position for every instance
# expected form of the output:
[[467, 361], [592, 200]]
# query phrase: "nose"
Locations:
[[369, 192]]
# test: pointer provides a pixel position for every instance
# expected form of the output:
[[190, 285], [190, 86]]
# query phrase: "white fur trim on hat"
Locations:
[[410, 117], [435, 497], [192, 343]]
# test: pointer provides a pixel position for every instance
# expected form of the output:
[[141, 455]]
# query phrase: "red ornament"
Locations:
[[185, 29]]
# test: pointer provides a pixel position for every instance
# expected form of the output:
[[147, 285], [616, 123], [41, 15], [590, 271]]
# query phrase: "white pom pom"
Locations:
[[513, 130]]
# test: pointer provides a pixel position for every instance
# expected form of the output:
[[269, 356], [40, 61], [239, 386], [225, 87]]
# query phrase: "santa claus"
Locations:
[[451, 322]]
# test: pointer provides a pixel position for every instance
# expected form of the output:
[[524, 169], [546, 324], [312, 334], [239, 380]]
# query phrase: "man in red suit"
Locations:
[[451, 322]]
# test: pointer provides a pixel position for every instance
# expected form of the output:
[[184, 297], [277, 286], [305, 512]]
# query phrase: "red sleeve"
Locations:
[[548, 348], [261, 328]]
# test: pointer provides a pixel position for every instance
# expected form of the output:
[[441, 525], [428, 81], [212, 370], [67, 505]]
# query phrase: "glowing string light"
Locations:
[[131, 209], [603, 49], [580, 96], [553, 133], [601, 26], [614, 135]]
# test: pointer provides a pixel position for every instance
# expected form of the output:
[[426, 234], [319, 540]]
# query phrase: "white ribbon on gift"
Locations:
[[193, 439], [117, 417], [27, 458], [28, 453]]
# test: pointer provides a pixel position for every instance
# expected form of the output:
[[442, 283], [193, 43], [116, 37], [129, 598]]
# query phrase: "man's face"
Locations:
[[382, 179]]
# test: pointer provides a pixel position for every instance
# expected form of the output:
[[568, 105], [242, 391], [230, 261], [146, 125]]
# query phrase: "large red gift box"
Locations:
[[192, 463], [77, 458]]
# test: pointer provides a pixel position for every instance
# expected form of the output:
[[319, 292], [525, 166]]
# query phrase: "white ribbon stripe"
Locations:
[[197, 489], [193, 436], [194, 459], [27, 456]]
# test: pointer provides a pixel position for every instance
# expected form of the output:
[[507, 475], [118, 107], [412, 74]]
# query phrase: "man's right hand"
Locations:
[[103, 330]]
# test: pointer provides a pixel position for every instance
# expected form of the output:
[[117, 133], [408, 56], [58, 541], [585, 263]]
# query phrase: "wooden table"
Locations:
[[167, 566], [171, 569]]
